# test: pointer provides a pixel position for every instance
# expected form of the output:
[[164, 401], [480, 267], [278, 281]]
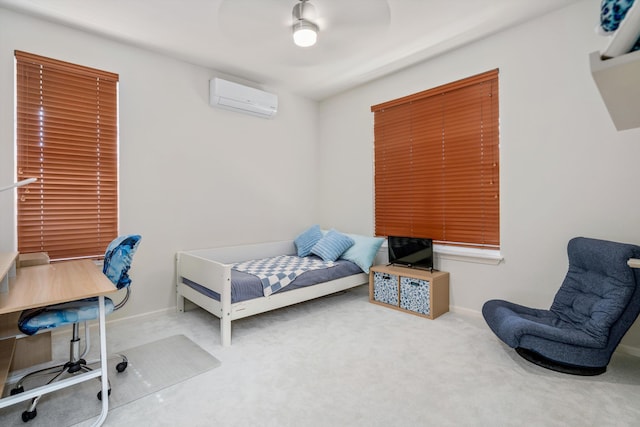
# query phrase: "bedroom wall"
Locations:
[[191, 176], [565, 170]]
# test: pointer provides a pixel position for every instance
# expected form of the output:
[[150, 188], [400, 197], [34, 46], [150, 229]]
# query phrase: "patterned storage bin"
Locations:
[[385, 288], [415, 295]]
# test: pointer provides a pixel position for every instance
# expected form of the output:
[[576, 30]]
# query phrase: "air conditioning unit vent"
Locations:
[[242, 99]]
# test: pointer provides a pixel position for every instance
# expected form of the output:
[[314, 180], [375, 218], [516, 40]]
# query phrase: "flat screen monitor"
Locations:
[[411, 251]]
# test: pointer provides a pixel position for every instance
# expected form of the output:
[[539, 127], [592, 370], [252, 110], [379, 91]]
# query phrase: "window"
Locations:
[[437, 164], [67, 139]]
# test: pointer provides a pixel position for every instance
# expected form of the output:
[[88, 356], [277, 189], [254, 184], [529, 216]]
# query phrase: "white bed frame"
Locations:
[[211, 268]]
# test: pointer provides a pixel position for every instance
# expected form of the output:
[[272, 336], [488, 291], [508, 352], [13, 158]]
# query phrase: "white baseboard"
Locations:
[[465, 311], [627, 349], [65, 330]]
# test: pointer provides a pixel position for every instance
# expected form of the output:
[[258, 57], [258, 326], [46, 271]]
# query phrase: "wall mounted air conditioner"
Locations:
[[242, 99]]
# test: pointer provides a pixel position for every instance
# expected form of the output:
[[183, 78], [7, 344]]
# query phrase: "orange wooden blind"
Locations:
[[66, 138], [437, 164]]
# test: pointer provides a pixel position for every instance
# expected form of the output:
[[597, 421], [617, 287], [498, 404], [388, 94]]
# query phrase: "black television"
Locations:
[[411, 251]]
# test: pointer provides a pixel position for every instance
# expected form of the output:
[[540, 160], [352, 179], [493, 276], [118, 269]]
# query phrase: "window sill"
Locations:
[[456, 253]]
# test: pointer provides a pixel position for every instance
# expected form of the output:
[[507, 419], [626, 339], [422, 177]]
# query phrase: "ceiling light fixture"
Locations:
[[305, 32]]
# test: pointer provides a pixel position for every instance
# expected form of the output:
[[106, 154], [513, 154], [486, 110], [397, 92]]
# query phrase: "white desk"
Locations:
[[43, 285]]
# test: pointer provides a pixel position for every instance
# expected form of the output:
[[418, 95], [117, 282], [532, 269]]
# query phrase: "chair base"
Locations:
[[565, 368], [76, 364]]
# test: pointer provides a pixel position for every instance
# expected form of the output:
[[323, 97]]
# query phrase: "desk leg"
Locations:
[[103, 363]]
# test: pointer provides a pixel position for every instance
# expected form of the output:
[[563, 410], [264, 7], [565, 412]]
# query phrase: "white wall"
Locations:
[[191, 176], [565, 170]]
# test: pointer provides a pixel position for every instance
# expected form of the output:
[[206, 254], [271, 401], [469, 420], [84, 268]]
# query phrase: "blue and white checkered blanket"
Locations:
[[277, 272]]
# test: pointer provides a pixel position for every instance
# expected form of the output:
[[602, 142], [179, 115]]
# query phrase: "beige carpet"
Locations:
[[342, 361], [152, 367]]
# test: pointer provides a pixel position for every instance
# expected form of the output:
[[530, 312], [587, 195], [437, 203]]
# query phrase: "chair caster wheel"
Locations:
[[28, 416], [100, 394], [16, 390], [120, 367]]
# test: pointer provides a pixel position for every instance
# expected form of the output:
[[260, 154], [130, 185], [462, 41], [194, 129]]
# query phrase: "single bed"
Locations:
[[206, 278]]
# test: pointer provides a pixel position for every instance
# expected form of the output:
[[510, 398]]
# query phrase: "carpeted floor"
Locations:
[[342, 361]]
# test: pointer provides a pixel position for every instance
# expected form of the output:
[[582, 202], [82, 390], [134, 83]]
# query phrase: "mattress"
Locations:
[[245, 286]]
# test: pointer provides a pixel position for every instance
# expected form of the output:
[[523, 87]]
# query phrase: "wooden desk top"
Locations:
[[43, 285]]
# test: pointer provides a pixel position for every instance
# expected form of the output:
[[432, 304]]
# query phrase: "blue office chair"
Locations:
[[117, 261], [597, 303]]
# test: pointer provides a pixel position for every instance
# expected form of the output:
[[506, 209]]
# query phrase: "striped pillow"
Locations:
[[307, 239], [332, 245]]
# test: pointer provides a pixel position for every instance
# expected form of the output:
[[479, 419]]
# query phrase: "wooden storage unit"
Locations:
[[7, 269], [7, 347], [8, 344], [21, 353], [411, 290], [31, 259], [29, 350]]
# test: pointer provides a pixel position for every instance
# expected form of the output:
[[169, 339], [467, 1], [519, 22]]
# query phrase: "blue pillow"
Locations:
[[364, 251], [332, 245], [307, 239]]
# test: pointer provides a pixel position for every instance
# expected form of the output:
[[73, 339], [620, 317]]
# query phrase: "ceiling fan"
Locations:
[[258, 22], [305, 30]]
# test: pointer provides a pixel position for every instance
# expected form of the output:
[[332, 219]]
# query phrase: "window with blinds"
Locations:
[[437, 164], [67, 135]]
